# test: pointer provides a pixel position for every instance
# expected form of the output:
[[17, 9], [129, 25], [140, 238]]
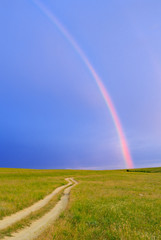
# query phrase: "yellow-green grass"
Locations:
[[104, 205], [30, 218], [20, 188], [111, 205]]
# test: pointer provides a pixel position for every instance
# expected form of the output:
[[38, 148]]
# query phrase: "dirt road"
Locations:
[[9, 220], [37, 227]]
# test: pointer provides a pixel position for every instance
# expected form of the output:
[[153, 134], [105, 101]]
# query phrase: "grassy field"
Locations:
[[147, 170], [112, 205], [21, 188], [30, 218], [104, 205]]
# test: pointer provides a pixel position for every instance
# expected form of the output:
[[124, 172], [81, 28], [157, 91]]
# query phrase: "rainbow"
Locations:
[[104, 92]]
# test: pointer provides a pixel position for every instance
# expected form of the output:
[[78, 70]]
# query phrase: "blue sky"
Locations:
[[52, 113]]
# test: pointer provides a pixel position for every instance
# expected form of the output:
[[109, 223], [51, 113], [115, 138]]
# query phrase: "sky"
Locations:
[[52, 112]]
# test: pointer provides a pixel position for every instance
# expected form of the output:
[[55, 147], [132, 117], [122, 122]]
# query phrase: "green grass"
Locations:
[[111, 205], [104, 205], [147, 170], [21, 188], [30, 218]]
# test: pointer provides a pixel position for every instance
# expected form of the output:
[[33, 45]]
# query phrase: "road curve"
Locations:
[[9, 220], [38, 226]]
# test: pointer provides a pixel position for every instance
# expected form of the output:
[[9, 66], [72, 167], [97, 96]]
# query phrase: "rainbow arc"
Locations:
[[123, 142]]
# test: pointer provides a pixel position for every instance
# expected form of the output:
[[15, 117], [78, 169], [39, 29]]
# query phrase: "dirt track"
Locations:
[[9, 220], [38, 226]]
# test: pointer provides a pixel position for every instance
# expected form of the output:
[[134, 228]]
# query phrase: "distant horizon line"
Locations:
[[81, 169]]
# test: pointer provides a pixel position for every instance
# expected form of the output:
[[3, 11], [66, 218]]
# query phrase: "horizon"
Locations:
[[81, 169]]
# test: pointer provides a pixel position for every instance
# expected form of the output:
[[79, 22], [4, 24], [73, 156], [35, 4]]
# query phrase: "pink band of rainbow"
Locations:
[[104, 92]]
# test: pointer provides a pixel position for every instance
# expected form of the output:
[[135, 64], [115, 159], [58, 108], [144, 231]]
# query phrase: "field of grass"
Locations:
[[30, 218], [104, 205], [147, 170], [21, 188], [112, 205]]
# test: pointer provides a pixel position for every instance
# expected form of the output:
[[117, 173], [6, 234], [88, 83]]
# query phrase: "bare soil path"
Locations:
[[38, 226], [9, 220]]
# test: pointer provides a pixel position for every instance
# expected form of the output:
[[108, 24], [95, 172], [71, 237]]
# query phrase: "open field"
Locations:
[[147, 170], [112, 205], [43, 218], [21, 188], [104, 205]]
